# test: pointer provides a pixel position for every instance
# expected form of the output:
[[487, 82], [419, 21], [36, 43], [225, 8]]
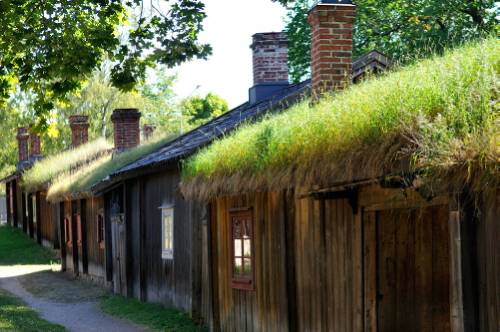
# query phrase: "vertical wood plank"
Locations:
[[387, 256], [424, 270], [370, 271], [441, 269], [456, 299]]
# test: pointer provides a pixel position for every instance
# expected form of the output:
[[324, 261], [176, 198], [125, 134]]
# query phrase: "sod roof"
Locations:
[[77, 183], [45, 171], [439, 117]]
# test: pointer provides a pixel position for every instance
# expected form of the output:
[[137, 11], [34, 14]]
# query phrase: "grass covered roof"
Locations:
[[45, 171], [78, 183], [437, 116]]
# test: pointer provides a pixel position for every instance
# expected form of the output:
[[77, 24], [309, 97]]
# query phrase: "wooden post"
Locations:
[[15, 215], [38, 218], [62, 239], [142, 244], [7, 201], [74, 231], [31, 226], [24, 218], [83, 225]]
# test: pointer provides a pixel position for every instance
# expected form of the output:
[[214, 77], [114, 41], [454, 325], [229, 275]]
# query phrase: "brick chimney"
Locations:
[[148, 131], [22, 144], [126, 128], [270, 64], [79, 129], [35, 146], [331, 46]]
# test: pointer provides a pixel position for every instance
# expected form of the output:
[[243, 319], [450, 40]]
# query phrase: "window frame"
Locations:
[[167, 253], [100, 230], [242, 282]]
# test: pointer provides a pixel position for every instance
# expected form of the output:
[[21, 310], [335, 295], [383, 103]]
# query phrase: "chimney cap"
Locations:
[[125, 113], [79, 119], [269, 38]]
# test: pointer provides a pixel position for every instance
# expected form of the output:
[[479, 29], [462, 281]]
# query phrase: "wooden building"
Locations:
[[348, 252]]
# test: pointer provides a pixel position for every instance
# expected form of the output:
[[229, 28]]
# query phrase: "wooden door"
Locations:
[[119, 254], [407, 270]]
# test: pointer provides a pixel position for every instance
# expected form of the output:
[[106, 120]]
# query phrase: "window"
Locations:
[[242, 263], [78, 230], [67, 232], [100, 230], [167, 231]]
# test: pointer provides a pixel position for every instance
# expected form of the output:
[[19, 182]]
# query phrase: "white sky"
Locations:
[[228, 28]]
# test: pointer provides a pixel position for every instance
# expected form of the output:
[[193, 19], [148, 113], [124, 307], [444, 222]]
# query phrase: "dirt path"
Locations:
[[83, 315]]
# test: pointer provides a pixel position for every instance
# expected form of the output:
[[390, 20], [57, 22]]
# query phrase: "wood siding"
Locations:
[[95, 254], [323, 263], [488, 249], [46, 221], [144, 274]]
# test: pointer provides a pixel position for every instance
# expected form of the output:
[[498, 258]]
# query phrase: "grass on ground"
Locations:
[[439, 113], [16, 317], [153, 316], [18, 249]]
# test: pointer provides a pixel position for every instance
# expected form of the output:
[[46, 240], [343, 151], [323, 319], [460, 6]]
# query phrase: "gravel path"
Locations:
[[82, 316]]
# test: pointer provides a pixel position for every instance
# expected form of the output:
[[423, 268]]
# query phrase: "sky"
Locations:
[[228, 28]]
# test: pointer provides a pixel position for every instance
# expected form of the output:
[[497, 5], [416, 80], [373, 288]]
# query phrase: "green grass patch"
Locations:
[[48, 169], [81, 181], [16, 317], [437, 113], [154, 316], [18, 249]]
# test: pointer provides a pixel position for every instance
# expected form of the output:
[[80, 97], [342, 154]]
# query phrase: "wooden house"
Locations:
[[22, 207], [348, 250], [159, 240]]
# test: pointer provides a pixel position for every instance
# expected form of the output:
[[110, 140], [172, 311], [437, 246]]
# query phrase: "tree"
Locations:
[[402, 29], [49, 47], [200, 110]]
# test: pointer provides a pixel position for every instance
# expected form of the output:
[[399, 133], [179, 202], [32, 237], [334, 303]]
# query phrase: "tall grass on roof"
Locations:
[[46, 170], [436, 115], [79, 184]]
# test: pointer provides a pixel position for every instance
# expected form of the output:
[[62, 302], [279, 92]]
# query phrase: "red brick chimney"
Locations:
[[148, 131], [22, 143], [35, 146], [331, 46], [126, 128], [79, 129], [270, 64]]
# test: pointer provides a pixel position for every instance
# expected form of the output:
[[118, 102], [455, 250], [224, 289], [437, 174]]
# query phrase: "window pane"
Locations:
[[248, 249], [246, 229], [238, 247], [238, 268], [236, 229], [248, 267]]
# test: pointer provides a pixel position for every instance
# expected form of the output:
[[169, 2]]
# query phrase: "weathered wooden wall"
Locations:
[[95, 254], [344, 261], [488, 250], [264, 309], [138, 268], [46, 221]]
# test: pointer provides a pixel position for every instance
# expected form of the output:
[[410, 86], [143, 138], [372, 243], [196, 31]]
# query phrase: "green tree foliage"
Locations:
[[402, 29], [49, 47], [97, 99], [200, 110]]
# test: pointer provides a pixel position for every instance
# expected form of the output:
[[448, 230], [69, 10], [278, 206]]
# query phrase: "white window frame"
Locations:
[[167, 211]]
